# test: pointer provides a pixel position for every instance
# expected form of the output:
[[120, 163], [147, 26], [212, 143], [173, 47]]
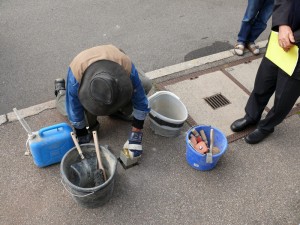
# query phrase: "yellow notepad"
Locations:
[[286, 61]]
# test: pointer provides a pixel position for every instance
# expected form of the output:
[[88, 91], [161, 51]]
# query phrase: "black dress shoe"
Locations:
[[59, 85], [257, 136], [241, 124]]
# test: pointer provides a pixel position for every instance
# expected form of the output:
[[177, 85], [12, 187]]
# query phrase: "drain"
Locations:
[[217, 101]]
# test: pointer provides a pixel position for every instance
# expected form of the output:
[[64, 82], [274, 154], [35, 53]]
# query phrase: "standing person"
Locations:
[[270, 78], [102, 81], [254, 23]]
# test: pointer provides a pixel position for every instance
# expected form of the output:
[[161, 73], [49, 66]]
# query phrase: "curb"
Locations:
[[26, 112], [155, 74], [177, 68]]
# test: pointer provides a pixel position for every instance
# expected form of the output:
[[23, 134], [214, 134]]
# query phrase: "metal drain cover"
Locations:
[[217, 101]]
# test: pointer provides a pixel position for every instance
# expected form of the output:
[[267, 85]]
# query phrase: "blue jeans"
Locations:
[[255, 20]]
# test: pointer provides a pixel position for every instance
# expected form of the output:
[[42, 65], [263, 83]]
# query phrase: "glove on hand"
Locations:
[[83, 136], [134, 145]]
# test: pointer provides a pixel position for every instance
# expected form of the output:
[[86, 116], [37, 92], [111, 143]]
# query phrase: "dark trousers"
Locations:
[[270, 79]]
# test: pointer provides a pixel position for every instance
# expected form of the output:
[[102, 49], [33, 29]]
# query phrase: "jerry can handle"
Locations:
[[56, 126]]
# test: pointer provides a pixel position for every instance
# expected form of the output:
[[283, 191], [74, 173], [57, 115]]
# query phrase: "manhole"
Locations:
[[217, 101]]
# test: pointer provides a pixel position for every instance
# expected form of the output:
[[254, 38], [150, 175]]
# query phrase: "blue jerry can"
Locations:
[[50, 144]]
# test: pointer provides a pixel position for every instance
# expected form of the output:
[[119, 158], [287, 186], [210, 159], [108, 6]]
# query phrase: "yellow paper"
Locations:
[[286, 61]]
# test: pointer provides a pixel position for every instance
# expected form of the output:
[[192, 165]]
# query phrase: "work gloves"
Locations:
[[134, 145], [83, 136]]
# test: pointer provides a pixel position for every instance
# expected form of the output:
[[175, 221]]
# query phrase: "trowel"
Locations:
[[209, 157], [83, 171]]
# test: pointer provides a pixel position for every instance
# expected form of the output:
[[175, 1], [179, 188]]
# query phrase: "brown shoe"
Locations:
[[252, 47], [239, 49]]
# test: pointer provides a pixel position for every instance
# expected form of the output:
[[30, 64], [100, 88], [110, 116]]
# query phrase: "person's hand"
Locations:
[[285, 37], [134, 145], [83, 136]]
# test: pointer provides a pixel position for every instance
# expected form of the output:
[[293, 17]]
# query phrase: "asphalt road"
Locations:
[[40, 38]]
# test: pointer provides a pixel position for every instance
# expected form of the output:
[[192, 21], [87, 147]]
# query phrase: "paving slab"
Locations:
[[234, 81], [245, 74], [193, 92]]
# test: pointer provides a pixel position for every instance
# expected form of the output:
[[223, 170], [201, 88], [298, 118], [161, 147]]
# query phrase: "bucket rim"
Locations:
[[156, 94], [92, 189], [204, 125], [156, 114]]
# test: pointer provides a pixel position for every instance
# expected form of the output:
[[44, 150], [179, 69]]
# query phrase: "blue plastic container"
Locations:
[[198, 160], [50, 144]]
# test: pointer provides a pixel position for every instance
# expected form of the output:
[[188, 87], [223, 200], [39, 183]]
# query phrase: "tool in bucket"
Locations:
[[99, 173], [27, 128], [209, 153], [197, 143], [83, 170], [204, 138]]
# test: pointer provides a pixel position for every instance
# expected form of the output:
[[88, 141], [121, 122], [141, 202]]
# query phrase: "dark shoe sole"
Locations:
[[60, 84]]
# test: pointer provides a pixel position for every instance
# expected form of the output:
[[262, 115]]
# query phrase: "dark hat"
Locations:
[[105, 87]]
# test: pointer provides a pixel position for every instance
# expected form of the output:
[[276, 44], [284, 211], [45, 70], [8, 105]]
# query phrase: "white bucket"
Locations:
[[167, 114]]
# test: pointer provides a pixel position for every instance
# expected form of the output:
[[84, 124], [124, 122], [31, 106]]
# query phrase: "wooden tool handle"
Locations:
[[77, 145], [98, 153]]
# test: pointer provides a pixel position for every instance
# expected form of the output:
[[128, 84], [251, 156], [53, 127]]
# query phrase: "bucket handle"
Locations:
[[55, 126], [80, 196]]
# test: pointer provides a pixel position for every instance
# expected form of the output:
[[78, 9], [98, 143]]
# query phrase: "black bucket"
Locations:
[[91, 197]]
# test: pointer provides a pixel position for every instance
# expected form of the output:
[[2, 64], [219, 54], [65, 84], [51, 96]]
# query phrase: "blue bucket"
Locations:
[[198, 160]]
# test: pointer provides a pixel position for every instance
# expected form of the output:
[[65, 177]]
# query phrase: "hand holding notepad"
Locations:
[[286, 61]]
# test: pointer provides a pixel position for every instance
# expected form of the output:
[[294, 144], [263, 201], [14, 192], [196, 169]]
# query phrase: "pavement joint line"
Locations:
[[36, 109], [211, 69]]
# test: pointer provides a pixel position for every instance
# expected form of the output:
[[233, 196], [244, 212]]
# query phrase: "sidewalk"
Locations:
[[251, 184]]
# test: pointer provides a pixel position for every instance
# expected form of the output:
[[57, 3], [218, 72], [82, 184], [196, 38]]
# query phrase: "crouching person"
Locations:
[[102, 81]]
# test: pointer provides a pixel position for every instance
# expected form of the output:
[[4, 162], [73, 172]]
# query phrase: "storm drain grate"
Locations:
[[217, 101]]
